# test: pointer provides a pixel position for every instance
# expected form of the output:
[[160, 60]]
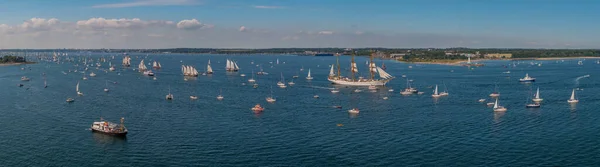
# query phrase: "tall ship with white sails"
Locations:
[[231, 66], [384, 77], [126, 61], [189, 71], [156, 65]]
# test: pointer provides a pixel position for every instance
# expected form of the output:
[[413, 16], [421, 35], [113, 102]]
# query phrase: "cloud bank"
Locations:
[[139, 33]]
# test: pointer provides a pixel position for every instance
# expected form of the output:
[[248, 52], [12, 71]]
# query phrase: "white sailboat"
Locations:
[[77, 89], [573, 99], [105, 86], [220, 96], [537, 96], [270, 99], [251, 80], [155, 65], [84, 77], [495, 93], [498, 108], [281, 83], [445, 92], [169, 96], [126, 61], [209, 69], [309, 77], [112, 68], [435, 92], [331, 72]]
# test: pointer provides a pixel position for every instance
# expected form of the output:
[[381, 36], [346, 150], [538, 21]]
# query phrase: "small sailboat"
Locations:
[[537, 98], [24, 78], [193, 97], [209, 69], [84, 77], [495, 93], [309, 77], [220, 96], [106, 86], [498, 108], [445, 92], [435, 92], [271, 99], [481, 100], [532, 105], [291, 83], [251, 80], [169, 96], [77, 89], [281, 83], [573, 99]]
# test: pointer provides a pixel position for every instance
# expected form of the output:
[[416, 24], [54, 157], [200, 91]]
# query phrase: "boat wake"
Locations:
[[578, 78]]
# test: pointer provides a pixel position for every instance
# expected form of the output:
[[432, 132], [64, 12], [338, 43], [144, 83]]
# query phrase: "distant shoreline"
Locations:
[[464, 62], [13, 64]]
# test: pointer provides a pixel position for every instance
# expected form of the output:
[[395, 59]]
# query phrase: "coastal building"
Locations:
[[395, 55], [498, 55]]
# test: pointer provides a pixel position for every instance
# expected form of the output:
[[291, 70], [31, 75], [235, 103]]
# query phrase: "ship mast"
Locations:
[[352, 65], [338, 66], [371, 65]]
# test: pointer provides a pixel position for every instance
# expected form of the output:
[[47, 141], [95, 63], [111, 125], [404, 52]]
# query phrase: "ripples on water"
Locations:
[[39, 128]]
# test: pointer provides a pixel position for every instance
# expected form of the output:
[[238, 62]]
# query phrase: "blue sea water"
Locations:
[[38, 128]]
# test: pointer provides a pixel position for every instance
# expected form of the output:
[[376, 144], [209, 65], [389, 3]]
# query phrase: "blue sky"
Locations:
[[311, 23]]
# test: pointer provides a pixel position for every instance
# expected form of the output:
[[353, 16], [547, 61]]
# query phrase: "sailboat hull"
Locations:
[[359, 83]]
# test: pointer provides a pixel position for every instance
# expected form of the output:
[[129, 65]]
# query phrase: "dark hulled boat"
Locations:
[[110, 128]]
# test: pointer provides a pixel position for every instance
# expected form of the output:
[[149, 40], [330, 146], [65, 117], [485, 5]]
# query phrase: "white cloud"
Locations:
[[39, 23], [242, 29], [137, 3], [267, 7], [325, 32], [190, 24], [135, 23]]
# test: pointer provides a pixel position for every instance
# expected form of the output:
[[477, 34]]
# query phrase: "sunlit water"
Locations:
[[39, 128]]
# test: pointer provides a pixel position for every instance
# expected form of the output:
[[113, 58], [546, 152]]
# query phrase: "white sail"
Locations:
[[154, 64], [195, 72], [228, 65], [573, 95], [277, 61], [383, 74], [77, 87], [209, 61], [373, 67], [235, 66], [183, 69], [469, 60], [354, 68], [308, 73], [496, 104], [331, 72], [159, 66], [208, 68], [537, 95], [435, 92]]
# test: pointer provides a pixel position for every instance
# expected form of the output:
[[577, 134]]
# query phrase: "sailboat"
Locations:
[[112, 68], [45, 84], [105, 86], [281, 83], [231, 66], [309, 77], [331, 72], [270, 99], [445, 92], [573, 99], [220, 96], [126, 61], [537, 96], [77, 89], [495, 93], [169, 96], [291, 82], [156, 65], [498, 108], [92, 74], [532, 105], [189, 71], [334, 90], [251, 80], [435, 92], [84, 77], [384, 77], [209, 69]]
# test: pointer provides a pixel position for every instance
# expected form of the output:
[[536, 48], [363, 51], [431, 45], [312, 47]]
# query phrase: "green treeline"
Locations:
[[12, 59]]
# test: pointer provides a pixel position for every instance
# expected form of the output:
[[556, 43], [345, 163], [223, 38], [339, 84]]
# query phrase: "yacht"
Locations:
[[495, 93], [69, 100], [537, 98], [527, 78], [24, 78], [573, 99], [354, 111], [309, 77], [435, 92], [498, 108], [220, 96], [77, 89], [533, 105], [92, 74], [193, 97], [109, 128], [169, 96]]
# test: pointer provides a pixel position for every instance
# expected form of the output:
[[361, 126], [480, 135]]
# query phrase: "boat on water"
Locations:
[[372, 87], [309, 77], [271, 99], [573, 99], [257, 108], [148, 73], [156, 65], [445, 92], [281, 83], [169, 96], [231, 66], [580, 62], [435, 92], [506, 72], [126, 61], [498, 108], [109, 128], [24, 78], [45, 83], [69, 100], [527, 78], [495, 93], [193, 97], [481, 100], [77, 89], [209, 69], [105, 86], [537, 98], [352, 81], [220, 96], [92, 74], [354, 111], [189, 71]]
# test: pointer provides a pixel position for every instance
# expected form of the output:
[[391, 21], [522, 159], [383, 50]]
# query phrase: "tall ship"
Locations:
[[231, 66], [156, 65], [109, 127], [126, 61], [384, 77], [189, 71]]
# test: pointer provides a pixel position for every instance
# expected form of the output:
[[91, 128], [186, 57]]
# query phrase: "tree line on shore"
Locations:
[[12, 59]]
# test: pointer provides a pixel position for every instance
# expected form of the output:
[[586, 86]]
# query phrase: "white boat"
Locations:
[[537, 96], [270, 99], [507, 72], [573, 99], [149, 73], [481, 100], [291, 82], [77, 89], [384, 77], [24, 78], [495, 93], [390, 90], [527, 78], [580, 62], [435, 92], [316, 96], [242, 75], [220, 96], [92, 74], [209, 69], [498, 108], [309, 77], [169, 96], [357, 90], [193, 97], [105, 86], [385, 98], [533, 105], [69, 100], [335, 91], [372, 87], [354, 111], [445, 92], [142, 67], [156, 65], [281, 83], [231, 66]]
